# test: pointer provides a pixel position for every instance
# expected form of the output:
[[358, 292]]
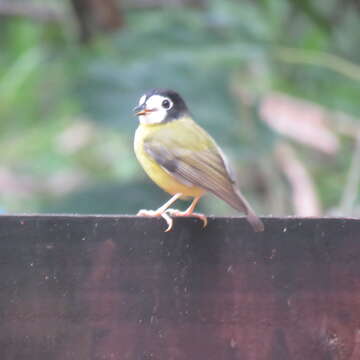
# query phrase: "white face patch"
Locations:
[[142, 100], [159, 106]]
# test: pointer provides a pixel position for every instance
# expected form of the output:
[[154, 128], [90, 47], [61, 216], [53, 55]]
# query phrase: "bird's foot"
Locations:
[[158, 213], [187, 213]]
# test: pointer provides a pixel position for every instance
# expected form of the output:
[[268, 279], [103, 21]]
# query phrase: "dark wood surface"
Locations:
[[104, 288]]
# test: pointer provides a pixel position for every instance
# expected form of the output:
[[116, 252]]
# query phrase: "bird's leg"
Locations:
[[189, 211], [161, 211]]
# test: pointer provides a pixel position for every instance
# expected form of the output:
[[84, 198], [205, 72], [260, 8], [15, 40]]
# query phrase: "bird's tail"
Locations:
[[236, 200], [255, 221]]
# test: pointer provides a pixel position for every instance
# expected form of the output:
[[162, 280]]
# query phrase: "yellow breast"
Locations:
[[160, 176]]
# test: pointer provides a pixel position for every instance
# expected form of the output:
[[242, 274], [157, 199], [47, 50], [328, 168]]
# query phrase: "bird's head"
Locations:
[[160, 106]]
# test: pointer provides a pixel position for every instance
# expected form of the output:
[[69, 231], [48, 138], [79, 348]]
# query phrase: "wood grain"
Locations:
[[95, 287]]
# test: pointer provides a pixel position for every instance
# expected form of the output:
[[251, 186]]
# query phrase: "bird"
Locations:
[[182, 158]]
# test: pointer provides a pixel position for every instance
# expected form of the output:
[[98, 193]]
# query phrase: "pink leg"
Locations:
[[161, 211], [189, 212]]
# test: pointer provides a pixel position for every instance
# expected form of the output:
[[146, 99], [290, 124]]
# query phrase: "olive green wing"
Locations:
[[188, 153]]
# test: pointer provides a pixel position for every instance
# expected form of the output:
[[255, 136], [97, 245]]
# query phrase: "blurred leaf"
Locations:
[[17, 74], [67, 110]]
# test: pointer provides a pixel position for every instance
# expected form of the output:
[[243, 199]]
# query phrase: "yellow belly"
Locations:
[[160, 176]]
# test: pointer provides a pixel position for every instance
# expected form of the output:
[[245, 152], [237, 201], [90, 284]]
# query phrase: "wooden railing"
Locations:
[[102, 287]]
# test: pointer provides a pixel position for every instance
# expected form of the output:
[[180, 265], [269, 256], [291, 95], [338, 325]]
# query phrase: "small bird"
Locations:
[[182, 158]]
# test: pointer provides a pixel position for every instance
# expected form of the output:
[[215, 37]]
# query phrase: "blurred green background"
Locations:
[[276, 82]]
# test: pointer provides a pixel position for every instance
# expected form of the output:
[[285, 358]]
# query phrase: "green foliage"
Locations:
[[66, 109]]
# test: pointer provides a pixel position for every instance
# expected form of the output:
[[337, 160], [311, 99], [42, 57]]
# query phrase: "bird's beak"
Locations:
[[142, 110]]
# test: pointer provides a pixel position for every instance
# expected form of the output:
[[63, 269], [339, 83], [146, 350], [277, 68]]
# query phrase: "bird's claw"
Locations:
[[174, 212], [169, 220], [155, 213], [167, 216]]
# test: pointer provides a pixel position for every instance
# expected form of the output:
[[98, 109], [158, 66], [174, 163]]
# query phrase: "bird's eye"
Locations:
[[166, 104]]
